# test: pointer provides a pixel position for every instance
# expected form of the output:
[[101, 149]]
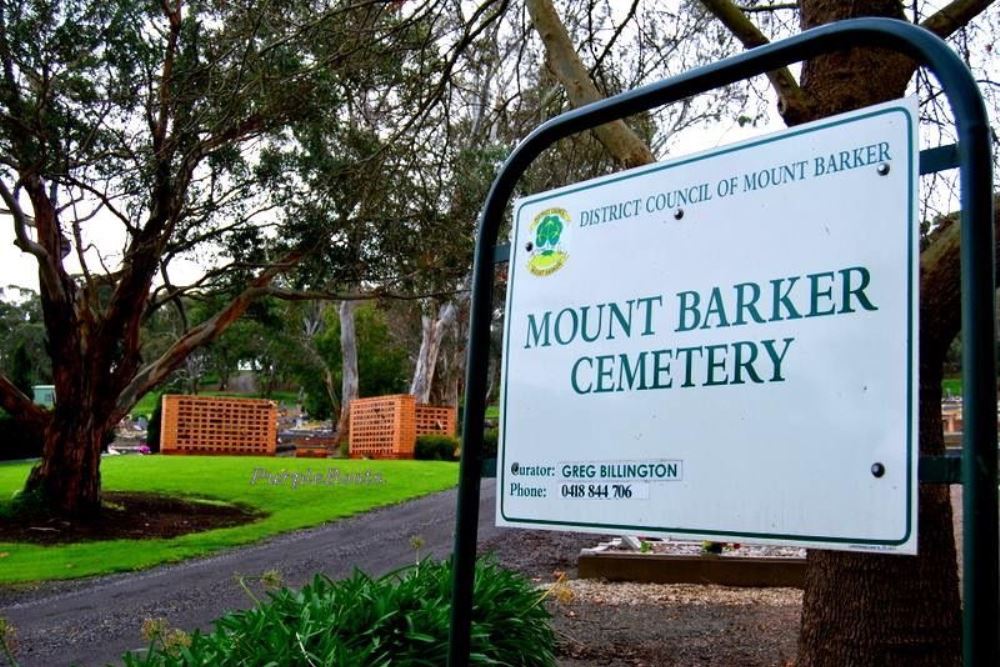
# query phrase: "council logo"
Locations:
[[545, 251]]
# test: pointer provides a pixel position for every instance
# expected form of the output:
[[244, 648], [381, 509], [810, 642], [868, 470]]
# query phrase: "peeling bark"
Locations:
[[349, 364], [432, 331]]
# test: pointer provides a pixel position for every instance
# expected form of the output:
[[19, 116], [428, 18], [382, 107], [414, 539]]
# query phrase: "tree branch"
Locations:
[[156, 372], [22, 239], [320, 295], [940, 289], [562, 59], [793, 103], [19, 406], [954, 16], [614, 38], [760, 9]]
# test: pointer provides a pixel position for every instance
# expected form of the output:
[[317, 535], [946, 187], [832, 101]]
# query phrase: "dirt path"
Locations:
[[92, 622]]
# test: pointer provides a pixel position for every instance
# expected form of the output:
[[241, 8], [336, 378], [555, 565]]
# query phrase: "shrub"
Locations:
[[17, 442], [490, 438], [153, 428], [399, 619], [436, 448]]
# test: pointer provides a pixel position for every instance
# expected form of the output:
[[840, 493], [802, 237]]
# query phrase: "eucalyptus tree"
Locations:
[[858, 609], [153, 122]]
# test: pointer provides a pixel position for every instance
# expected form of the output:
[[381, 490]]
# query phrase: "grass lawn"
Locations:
[[222, 478], [952, 386]]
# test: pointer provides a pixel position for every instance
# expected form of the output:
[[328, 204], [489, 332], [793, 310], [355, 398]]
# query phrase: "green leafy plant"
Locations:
[[491, 437], [708, 547], [399, 619], [8, 641], [436, 448]]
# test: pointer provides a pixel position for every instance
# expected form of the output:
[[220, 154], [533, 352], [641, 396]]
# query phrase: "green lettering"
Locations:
[[627, 373], [741, 365], [715, 307], [583, 324], [533, 328], [661, 368], [574, 326], [693, 308], [713, 365], [686, 351], [858, 292], [604, 372], [624, 324], [815, 293], [777, 359], [781, 299], [648, 303], [750, 306], [572, 377]]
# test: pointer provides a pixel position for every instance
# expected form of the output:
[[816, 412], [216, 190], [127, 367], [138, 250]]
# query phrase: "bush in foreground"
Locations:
[[399, 619], [436, 448]]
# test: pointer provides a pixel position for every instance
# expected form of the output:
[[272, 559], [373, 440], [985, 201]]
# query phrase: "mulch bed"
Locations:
[[648, 625], [128, 516]]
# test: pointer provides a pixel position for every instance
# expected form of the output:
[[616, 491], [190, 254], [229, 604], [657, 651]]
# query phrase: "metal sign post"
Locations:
[[979, 458]]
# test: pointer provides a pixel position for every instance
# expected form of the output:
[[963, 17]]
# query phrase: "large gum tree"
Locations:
[[858, 609], [151, 121]]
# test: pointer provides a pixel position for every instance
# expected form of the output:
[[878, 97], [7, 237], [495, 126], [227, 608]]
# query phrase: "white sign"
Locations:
[[723, 346]]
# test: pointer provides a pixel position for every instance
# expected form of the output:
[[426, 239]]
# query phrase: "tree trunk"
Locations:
[[431, 333], [349, 355], [447, 382], [331, 391], [871, 609], [859, 609], [69, 479], [565, 64], [865, 609]]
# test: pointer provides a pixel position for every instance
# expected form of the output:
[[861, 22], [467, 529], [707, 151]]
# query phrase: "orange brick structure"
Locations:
[[383, 427], [387, 427], [218, 425], [436, 419]]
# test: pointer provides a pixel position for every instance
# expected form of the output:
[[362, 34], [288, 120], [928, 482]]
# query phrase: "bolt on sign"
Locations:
[[722, 346]]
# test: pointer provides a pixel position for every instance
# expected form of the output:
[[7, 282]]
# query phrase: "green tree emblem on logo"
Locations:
[[548, 233]]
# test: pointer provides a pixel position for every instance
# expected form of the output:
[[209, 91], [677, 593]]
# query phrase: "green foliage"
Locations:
[[21, 370], [436, 448], [951, 387], [399, 619], [22, 347], [8, 640], [491, 438], [147, 405], [708, 547], [383, 364]]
